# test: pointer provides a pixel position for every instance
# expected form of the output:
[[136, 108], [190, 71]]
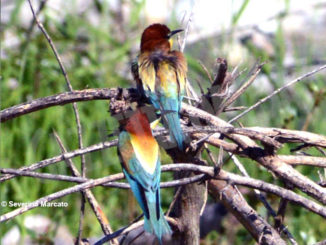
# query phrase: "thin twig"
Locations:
[[292, 136], [187, 28], [83, 193], [59, 177], [279, 219], [277, 91], [62, 157], [206, 71], [220, 158], [175, 197], [48, 38], [241, 90], [200, 87], [210, 155], [189, 89], [31, 27], [318, 97], [234, 108], [75, 108]]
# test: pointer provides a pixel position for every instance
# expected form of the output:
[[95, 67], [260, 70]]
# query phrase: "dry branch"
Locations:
[[62, 99], [295, 136], [267, 159], [260, 230], [209, 171], [60, 177], [62, 157], [304, 160]]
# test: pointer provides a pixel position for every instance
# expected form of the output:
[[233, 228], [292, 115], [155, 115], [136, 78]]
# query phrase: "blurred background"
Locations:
[[97, 41]]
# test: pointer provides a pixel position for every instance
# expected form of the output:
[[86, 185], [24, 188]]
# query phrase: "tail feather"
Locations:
[[156, 223], [172, 119], [176, 134], [169, 108]]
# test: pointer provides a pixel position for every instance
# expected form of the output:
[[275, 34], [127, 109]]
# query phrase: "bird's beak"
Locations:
[[174, 32]]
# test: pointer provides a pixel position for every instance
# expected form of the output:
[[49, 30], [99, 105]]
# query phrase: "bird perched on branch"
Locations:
[[139, 155], [160, 74]]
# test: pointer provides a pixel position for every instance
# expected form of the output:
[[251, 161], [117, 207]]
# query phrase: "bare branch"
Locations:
[[62, 157], [48, 38], [62, 99], [304, 160], [260, 230], [295, 136], [256, 135], [59, 177], [265, 158], [223, 175]]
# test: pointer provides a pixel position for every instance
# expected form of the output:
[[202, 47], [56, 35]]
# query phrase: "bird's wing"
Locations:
[[141, 184], [146, 72], [125, 150], [136, 159], [147, 77], [181, 71]]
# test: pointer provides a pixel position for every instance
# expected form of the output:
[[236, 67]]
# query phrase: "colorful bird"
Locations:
[[139, 155], [161, 76]]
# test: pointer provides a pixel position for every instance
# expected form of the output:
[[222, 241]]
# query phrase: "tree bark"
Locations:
[[188, 205]]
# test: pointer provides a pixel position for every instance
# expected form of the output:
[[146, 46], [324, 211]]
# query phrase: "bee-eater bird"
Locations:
[[139, 155], [161, 76]]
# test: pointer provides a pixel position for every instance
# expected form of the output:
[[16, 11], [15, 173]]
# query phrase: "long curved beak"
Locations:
[[174, 32]]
